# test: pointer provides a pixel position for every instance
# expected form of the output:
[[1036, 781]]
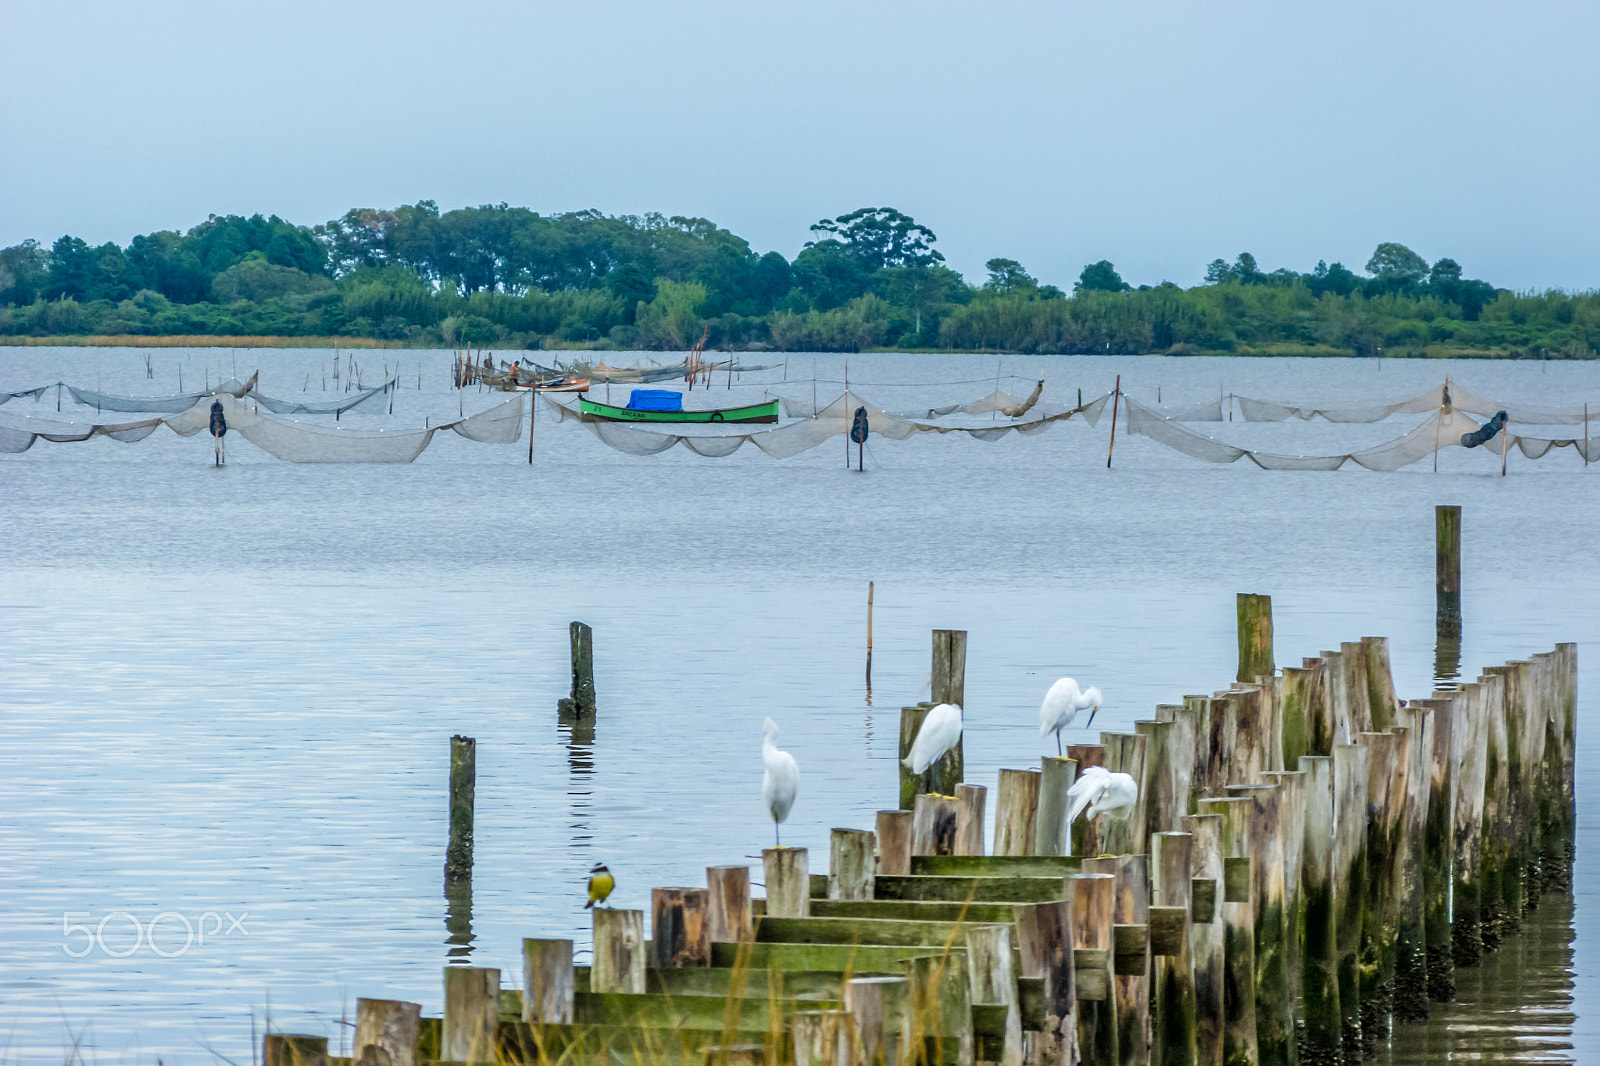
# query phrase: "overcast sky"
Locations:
[[1157, 135]]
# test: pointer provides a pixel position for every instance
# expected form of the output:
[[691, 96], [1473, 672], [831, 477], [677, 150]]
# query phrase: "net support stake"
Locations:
[[1116, 395]]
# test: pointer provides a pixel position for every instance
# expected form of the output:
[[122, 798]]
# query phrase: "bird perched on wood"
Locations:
[[940, 731], [781, 781], [1102, 791], [1062, 704], [600, 884]]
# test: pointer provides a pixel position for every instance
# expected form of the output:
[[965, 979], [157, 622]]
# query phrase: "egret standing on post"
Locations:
[[1062, 704], [781, 781], [940, 731]]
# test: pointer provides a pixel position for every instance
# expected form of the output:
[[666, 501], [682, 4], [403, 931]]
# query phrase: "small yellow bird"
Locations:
[[600, 884]]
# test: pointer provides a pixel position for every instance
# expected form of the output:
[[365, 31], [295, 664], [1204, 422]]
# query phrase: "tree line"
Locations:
[[504, 276]]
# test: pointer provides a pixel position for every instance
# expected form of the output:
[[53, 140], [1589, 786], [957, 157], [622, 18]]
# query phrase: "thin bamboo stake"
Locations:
[[533, 414], [1503, 435], [1115, 397], [869, 639]]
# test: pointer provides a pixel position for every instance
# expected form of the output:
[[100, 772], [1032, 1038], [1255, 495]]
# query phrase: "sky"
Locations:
[[1159, 135]]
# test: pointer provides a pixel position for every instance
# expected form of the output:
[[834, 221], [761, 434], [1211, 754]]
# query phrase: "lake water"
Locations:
[[228, 694]]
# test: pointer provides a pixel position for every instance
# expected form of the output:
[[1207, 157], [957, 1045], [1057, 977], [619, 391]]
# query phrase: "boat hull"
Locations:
[[590, 411]]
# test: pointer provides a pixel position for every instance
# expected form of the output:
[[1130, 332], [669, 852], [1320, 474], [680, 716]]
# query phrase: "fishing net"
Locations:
[[323, 407], [1460, 399], [103, 401], [7, 397]]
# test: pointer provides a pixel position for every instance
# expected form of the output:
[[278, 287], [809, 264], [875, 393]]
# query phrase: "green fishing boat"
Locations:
[[665, 407]]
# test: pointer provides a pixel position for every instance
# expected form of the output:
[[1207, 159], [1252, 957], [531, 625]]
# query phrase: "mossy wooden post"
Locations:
[[1336, 690], [1169, 769], [1093, 902], [1413, 746], [852, 863], [547, 982], [993, 980], [1493, 920], [1566, 712], [1292, 814], [619, 951], [679, 933], [1130, 916], [1468, 752], [1255, 636], [1264, 844], [894, 843], [1526, 724], [471, 1030], [1438, 848], [728, 918], [970, 800], [788, 880], [292, 1049], [1319, 954], [821, 1037], [1240, 1046], [1381, 701], [1353, 658], [1174, 1027], [1206, 934], [1050, 822], [1044, 951], [940, 778], [1015, 808], [934, 825], [1350, 768], [1128, 753], [1379, 916], [877, 1024], [940, 994], [1295, 720], [386, 1033], [1312, 683], [578, 705], [1447, 569], [1084, 834], [949, 683], [1546, 668], [1272, 715], [463, 779]]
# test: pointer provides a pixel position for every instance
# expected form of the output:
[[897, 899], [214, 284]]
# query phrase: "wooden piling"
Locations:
[[970, 800], [1320, 1032], [1264, 844], [1381, 701], [1085, 835], [950, 667], [1016, 806], [894, 843], [1206, 934], [1131, 966], [1239, 1036], [941, 778], [1379, 915], [852, 863], [992, 980], [1093, 902], [386, 1033], [1044, 951], [471, 1029], [619, 951], [1255, 636], [821, 1037], [547, 982], [877, 1023], [934, 825], [1447, 568], [1350, 765], [1292, 814], [463, 778], [788, 880], [728, 918], [1469, 754], [579, 704], [679, 934], [1413, 749], [291, 1049], [1494, 920], [1174, 1025], [1050, 822], [1168, 766], [1127, 753], [1438, 848], [940, 994]]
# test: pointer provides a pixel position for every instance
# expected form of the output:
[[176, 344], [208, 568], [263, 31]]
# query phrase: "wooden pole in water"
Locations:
[[547, 982], [1319, 956], [869, 638], [1255, 636], [291, 1049], [580, 704], [1126, 753], [788, 878], [1116, 396], [940, 994], [728, 917], [1050, 822], [1380, 917], [533, 416], [1172, 996], [1044, 951], [390, 1028], [1206, 934], [463, 783], [1350, 767], [934, 824], [993, 981], [471, 1030], [1468, 752], [970, 801], [852, 863], [1239, 1037], [894, 843], [950, 667], [1413, 749], [1292, 815], [1438, 850], [1504, 433], [1093, 900], [678, 929], [1130, 952], [1265, 846], [1015, 809], [619, 951]]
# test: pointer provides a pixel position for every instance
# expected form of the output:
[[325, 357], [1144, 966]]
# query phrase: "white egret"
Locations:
[[781, 781], [1062, 704], [940, 731], [1102, 791]]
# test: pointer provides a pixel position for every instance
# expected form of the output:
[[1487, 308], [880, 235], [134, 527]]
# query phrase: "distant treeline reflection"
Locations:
[[506, 277]]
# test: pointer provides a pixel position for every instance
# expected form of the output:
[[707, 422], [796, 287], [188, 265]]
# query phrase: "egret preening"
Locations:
[[1062, 704], [781, 782], [940, 731], [1102, 791], [600, 884]]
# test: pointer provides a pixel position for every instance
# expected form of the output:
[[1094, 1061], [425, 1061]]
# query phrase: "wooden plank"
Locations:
[[996, 865], [912, 910], [887, 931], [854, 958], [997, 889], [710, 1013]]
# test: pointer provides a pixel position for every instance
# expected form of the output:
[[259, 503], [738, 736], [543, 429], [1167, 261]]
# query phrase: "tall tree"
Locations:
[[880, 237], [1101, 277]]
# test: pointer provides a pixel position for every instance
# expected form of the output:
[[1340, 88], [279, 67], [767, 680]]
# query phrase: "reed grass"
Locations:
[[197, 340]]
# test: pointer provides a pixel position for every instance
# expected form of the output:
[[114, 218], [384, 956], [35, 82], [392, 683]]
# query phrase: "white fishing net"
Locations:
[[103, 401], [1460, 399]]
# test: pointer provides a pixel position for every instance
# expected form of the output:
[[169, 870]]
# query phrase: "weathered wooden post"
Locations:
[[1351, 764], [1494, 922], [1447, 570], [1240, 1042], [679, 933], [821, 1037], [1130, 984], [934, 825], [1044, 948], [728, 918], [941, 1005], [579, 704], [1084, 834], [547, 981], [471, 1030], [463, 778], [1206, 934], [993, 981], [1169, 763], [1292, 815], [852, 863], [1413, 748], [1469, 753], [1320, 1042], [1016, 804], [877, 1008], [1093, 902], [1380, 917], [950, 667], [1264, 844], [1381, 700], [1050, 820], [1255, 636], [940, 778], [386, 1033], [619, 951], [894, 843], [970, 800], [1438, 848], [1174, 1028], [788, 878], [291, 1049], [1353, 661], [1126, 753]]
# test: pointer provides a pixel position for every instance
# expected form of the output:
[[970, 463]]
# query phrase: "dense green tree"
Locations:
[[1101, 277], [1006, 276], [881, 237], [24, 272], [1396, 268]]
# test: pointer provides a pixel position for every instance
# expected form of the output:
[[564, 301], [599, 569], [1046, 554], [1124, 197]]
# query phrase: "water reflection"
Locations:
[[458, 921], [578, 738]]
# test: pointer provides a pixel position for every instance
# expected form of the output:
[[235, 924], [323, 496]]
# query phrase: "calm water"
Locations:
[[231, 692]]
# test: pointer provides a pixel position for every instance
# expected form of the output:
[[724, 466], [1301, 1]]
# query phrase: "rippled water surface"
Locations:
[[227, 694]]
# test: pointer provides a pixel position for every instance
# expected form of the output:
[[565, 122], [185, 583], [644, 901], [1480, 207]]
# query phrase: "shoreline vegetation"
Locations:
[[502, 277]]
